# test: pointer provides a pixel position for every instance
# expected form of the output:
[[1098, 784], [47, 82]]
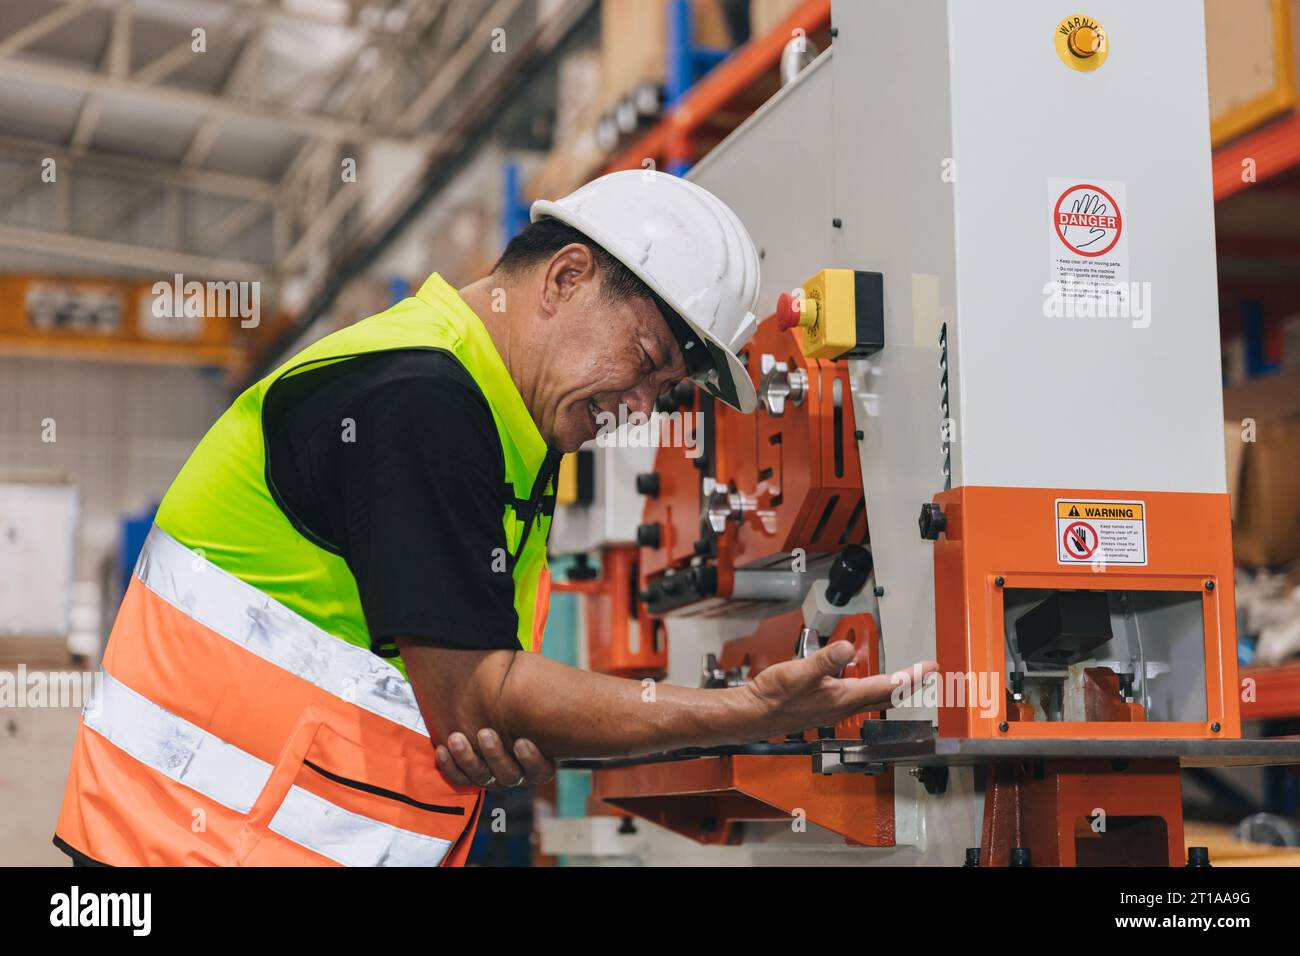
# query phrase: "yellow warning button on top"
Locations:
[[1082, 43], [1085, 41], [1100, 510]]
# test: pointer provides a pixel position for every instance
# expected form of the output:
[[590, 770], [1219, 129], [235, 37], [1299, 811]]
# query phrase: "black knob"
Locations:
[[649, 535], [1020, 856], [932, 522], [704, 579], [848, 574], [972, 856], [582, 569], [647, 483], [1198, 856]]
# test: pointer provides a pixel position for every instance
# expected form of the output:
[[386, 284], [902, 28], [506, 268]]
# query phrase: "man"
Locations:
[[352, 564]]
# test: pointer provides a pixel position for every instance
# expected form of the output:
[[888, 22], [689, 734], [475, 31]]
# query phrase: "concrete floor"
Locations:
[[35, 747]]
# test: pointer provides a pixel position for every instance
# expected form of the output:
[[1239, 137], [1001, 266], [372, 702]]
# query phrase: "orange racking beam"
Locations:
[[723, 84], [1273, 149]]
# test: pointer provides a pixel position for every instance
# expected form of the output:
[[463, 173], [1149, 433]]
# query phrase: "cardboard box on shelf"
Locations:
[[1252, 48], [634, 42], [569, 164], [578, 91], [1262, 421], [764, 15]]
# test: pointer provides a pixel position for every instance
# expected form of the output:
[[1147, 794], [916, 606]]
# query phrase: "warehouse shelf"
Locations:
[[705, 113], [1270, 151], [1276, 692]]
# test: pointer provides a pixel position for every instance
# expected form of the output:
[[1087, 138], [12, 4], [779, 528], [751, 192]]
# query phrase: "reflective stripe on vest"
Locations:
[[175, 747], [241, 613], [224, 773], [292, 747]]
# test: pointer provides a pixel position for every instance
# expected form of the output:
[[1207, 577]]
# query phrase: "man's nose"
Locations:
[[640, 399]]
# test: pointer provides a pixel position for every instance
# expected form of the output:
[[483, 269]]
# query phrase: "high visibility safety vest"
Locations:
[[242, 717]]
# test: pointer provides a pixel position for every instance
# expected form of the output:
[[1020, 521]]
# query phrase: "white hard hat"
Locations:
[[694, 254]]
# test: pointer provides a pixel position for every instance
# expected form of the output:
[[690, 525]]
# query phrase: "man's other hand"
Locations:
[[496, 768]]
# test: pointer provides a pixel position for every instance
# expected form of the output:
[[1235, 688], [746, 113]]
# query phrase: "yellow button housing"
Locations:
[[829, 304]]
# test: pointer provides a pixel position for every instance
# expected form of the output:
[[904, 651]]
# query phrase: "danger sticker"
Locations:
[[1088, 237], [1101, 532]]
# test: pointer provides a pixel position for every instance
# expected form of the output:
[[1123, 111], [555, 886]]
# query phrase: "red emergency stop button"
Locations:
[[793, 311]]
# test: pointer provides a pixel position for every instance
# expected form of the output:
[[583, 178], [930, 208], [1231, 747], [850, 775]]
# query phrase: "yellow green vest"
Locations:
[[221, 507]]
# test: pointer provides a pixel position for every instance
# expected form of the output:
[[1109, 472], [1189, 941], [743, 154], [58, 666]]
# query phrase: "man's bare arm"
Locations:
[[568, 712]]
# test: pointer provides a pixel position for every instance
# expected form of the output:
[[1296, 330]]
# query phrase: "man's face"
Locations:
[[600, 355]]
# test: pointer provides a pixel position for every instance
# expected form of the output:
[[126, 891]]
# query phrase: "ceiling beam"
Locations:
[[248, 57], [143, 259], [322, 225], [445, 80], [42, 26], [234, 223], [119, 40], [186, 100], [207, 181]]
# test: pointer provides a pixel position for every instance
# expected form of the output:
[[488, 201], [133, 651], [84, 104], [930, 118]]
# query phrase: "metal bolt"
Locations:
[[880, 591], [837, 222], [1209, 585], [999, 580], [1004, 726], [780, 384], [1215, 728]]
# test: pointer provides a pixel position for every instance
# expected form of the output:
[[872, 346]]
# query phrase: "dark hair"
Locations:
[[540, 240]]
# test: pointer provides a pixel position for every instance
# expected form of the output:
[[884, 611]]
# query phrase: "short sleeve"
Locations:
[[403, 477]]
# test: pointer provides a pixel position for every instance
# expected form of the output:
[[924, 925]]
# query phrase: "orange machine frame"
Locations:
[[816, 505], [999, 538], [611, 611], [709, 798]]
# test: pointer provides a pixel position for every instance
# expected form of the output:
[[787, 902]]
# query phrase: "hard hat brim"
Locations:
[[727, 379]]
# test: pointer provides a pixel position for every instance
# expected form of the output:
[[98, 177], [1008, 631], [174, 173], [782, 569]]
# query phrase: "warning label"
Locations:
[[1088, 238], [1102, 532]]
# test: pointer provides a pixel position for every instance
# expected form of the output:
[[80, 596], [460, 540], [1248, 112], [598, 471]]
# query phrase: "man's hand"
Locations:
[[496, 769], [567, 712], [795, 695]]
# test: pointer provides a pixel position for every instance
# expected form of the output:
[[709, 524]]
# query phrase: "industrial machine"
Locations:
[[989, 435]]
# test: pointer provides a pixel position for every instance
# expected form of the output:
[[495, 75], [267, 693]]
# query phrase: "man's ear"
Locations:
[[569, 270]]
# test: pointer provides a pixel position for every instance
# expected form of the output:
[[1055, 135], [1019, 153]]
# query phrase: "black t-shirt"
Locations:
[[393, 462]]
